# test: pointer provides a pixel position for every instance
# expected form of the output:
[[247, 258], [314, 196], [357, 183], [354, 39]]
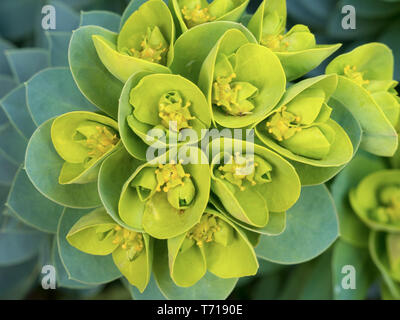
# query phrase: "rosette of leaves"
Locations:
[[190, 13], [297, 49], [166, 197], [252, 187], [365, 195], [144, 43], [240, 88], [376, 200], [161, 110], [96, 233], [301, 129], [215, 244], [366, 89]]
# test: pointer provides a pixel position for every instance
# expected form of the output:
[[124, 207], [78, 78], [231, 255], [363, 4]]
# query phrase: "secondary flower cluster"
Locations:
[[190, 67]]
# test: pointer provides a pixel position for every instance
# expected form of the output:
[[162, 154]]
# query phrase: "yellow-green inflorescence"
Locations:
[[358, 77], [173, 180], [234, 97], [153, 48], [246, 171], [196, 15], [388, 210], [130, 241], [174, 113], [98, 140], [210, 229], [283, 124]]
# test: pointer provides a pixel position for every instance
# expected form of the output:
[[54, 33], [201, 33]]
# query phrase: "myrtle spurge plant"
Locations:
[[185, 147]]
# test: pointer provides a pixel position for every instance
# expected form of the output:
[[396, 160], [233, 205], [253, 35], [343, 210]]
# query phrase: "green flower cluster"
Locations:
[[170, 74]]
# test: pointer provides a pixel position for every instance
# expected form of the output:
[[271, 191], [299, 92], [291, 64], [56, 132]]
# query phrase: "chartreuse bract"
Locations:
[[190, 13], [300, 128], [144, 43], [242, 81], [376, 201], [161, 110], [366, 88], [97, 234], [215, 244], [166, 197], [297, 49], [366, 194], [83, 140], [251, 181]]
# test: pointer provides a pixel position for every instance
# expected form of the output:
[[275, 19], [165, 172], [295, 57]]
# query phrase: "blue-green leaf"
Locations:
[[311, 228], [53, 92], [14, 104], [58, 47], [25, 63], [12, 143], [105, 19], [31, 206], [345, 254]]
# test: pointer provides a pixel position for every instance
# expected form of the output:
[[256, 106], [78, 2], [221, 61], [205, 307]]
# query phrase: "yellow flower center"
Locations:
[[389, 210], [196, 16], [130, 241], [228, 95], [238, 170], [275, 42], [153, 47], [173, 112], [282, 124], [170, 176], [101, 142], [358, 77], [204, 231]]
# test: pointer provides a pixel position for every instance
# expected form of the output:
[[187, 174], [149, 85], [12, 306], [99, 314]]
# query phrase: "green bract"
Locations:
[[145, 42], [158, 108], [297, 49], [166, 196], [83, 140], [241, 92], [366, 88], [300, 127], [376, 200], [97, 234], [250, 187], [191, 13], [214, 244]]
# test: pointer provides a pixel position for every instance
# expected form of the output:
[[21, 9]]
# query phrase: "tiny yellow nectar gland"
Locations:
[[204, 231], [196, 16], [101, 142], [170, 176], [352, 73], [238, 170], [283, 124]]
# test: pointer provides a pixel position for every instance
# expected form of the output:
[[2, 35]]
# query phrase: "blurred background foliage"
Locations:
[[20, 29]]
